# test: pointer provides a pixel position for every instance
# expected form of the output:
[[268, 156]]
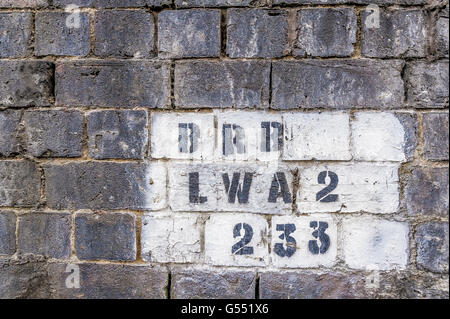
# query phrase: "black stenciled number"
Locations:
[[322, 195], [287, 229], [240, 247], [319, 234]]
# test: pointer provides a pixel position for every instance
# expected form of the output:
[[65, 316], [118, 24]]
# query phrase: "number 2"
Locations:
[[324, 195], [240, 247]]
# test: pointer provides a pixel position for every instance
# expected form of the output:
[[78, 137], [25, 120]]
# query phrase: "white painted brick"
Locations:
[[156, 177], [166, 136], [378, 137], [321, 254], [372, 243], [219, 240], [367, 187], [317, 136], [253, 137], [171, 238]]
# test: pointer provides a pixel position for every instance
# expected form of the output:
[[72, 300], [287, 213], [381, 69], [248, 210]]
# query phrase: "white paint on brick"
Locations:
[[171, 238], [369, 242], [156, 183], [165, 135], [366, 187], [317, 136], [378, 137], [303, 234], [219, 240]]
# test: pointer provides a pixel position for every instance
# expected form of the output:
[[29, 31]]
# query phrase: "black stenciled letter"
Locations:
[[194, 189], [240, 247], [320, 234], [276, 137], [231, 143], [291, 246], [280, 188], [236, 189], [188, 134]]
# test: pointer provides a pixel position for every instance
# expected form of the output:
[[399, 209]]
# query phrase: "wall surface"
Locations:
[[224, 149]]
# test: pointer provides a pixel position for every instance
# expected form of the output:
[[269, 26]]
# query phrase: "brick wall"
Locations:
[[224, 149]]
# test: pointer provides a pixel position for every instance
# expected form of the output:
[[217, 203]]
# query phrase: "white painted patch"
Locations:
[[156, 186], [220, 240], [378, 137], [369, 241], [313, 247], [317, 136], [366, 187]]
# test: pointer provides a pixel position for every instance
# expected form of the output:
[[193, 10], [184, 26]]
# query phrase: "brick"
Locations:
[[304, 242], [426, 191], [378, 137], [339, 84], [379, 2], [212, 284], [55, 36], [435, 136], [16, 34], [53, 133], [124, 33], [171, 237], [225, 237], [189, 33], [441, 40], [100, 281], [182, 136], [401, 33], [20, 185], [317, 136], [257, 33], [7, 233], [10, 143], [311, 285], [230, 188], [106, 185], [372, 188], [109, 236], [229, 84], [325, 32], [212, 3], [113, 83], [249, 136], [427, 84], [432, 246], [117, 134], [369, 243], [112, 3], [45, 234], [23, 3], [26, 83], [410, 126]]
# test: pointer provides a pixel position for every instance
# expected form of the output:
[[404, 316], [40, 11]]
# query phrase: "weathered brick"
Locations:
[[337, 84], [410, 126], [189, 33], [401, 33], [206, 84], [256, 33], [117, 134], [7, 233], [441, 40], [182, 136], [10, 143], [432, 246], [124, 33], [106, 185], [426, 191], [171, 238], [369, 242], [311, 285], [110, 236], [212, 284], [367, 187], [316, 136], [379, 2], [23, 3], [325, 32], [53, 133], [26, 83], [113, 83], [304, 242], [54, 36], [45, 234], [427, 84], [435, 136], [226, 236], [20, 185], [112, 3], [100, 281], [16, 33], [212, 3]]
